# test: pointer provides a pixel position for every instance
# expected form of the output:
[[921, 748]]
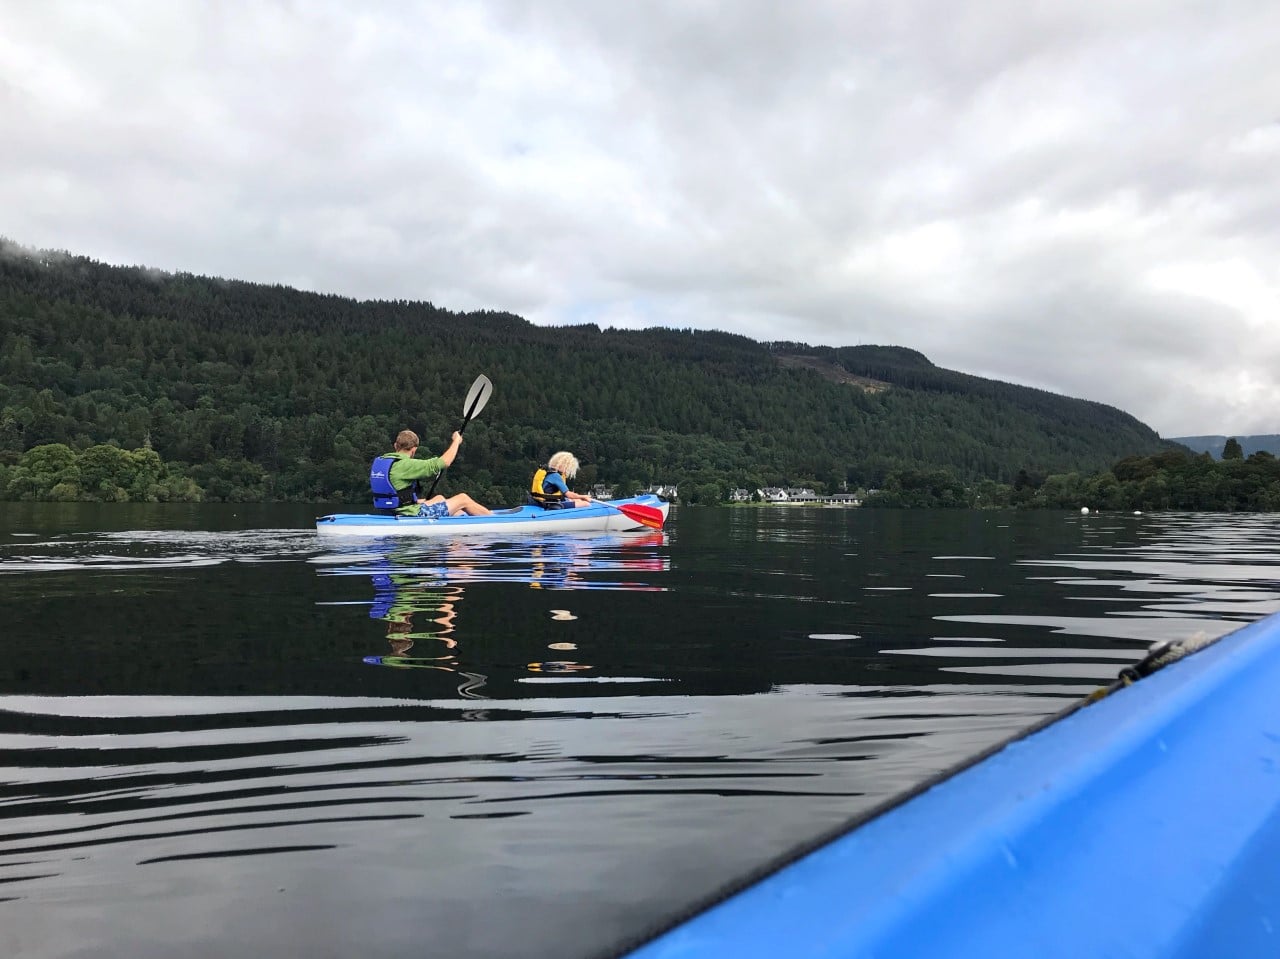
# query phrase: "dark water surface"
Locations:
[[222, 735]]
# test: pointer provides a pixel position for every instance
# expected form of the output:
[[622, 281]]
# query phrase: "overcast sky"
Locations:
[[1081, 195]]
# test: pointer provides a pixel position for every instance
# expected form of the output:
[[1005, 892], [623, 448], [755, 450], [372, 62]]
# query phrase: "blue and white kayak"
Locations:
[[600, 516], [1144, 823]]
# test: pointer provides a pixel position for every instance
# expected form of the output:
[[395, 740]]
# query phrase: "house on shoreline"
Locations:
[[799, 495], [663, 491], [768, 495]]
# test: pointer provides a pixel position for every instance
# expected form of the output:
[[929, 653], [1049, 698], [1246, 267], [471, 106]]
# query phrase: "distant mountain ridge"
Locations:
[[1213, 445], [266, 392]]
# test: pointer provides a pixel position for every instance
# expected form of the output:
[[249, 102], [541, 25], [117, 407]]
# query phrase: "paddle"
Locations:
[[649, 516], [477, 397]]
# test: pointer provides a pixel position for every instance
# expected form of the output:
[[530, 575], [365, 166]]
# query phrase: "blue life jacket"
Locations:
[[386, 496], [384, 596]]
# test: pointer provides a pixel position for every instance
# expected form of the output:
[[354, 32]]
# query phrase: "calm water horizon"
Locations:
[[224, 734]]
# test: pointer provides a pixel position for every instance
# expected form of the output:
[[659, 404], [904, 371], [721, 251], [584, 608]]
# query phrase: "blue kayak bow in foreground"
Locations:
[[1144, 824]]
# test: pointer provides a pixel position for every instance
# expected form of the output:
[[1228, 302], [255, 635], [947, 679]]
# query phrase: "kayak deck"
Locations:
[[1145, 825], [602, 516]]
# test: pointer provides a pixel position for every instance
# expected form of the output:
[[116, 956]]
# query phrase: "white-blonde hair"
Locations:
[[564, 463]]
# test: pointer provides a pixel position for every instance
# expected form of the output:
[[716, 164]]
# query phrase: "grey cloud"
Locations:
[[1064, 195]]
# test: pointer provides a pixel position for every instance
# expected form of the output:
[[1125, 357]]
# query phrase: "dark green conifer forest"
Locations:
[[126, 383]]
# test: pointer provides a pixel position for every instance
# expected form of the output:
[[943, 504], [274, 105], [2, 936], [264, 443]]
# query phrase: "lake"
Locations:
[[223, 735]]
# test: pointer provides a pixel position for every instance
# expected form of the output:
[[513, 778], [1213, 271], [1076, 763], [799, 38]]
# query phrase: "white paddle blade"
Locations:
[[477, 397]]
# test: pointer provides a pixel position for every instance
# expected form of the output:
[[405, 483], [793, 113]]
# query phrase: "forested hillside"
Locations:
[[263, 392]]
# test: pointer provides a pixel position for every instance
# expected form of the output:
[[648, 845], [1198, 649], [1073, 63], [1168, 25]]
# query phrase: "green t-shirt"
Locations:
[[405, 470]]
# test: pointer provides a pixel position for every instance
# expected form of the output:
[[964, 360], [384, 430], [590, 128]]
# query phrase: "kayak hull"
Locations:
[[1145, 825], [520, 521]]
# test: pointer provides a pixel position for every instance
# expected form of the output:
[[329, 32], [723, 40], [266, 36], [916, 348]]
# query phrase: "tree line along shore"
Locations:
[[1166, 481]]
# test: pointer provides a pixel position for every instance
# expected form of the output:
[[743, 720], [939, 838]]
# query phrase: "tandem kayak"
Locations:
[[1144, 822], [600, 516]]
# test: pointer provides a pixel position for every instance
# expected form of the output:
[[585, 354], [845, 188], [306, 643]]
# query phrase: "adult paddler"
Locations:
[[396, 481]]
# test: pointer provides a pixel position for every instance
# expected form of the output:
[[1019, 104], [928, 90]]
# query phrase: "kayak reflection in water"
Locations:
[[554, 564], [399, 598], [560, 562], [557, 666]]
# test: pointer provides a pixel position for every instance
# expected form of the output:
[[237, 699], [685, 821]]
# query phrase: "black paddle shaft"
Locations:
[[481, 397]]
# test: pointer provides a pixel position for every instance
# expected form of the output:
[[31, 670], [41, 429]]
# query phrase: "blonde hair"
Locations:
[[564, 463], [406, 440]]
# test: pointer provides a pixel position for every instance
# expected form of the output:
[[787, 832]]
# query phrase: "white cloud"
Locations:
[[1076, 196]]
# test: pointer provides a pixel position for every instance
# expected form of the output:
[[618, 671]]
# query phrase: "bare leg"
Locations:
[[462, 503]]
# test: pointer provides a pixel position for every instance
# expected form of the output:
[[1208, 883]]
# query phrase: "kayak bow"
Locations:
[[1144, 824]]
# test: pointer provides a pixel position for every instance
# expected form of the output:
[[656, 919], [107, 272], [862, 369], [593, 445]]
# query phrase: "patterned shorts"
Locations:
[[434, 510]]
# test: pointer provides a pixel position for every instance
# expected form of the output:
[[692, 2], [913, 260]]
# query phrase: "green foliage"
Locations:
[[706, 494], [40, 470], [1232, 450], [266, 393], [938, 489], [104, 474], [1170, 481]]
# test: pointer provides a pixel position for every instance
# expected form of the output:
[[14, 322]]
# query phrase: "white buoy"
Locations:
[[1137, 512], [1084, 511]]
